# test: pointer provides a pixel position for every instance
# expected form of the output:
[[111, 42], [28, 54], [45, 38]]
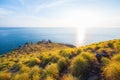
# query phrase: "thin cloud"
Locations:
[[49, 5], [22, 2], [71, 20], [5, 12]]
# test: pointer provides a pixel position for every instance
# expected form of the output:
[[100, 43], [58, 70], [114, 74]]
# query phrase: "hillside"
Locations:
[[41, 46], [56, 61]]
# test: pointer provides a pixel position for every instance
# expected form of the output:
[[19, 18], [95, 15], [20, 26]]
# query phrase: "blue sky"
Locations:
[[59, 13]]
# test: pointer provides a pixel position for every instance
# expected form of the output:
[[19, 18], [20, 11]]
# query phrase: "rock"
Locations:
[[105, 55], [99, 56], [49, 41]]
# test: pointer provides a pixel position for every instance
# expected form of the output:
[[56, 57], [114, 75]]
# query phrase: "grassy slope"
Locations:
[[53, 61]]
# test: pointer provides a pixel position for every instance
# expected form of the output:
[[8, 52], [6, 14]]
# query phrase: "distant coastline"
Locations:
[[12, 37]]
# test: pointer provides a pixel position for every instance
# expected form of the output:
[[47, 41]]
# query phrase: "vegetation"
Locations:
[[62, 64], [52, 70], [69, 77], [5, 76], [112, 71], [35, 73], [55, 61], [79, 66]]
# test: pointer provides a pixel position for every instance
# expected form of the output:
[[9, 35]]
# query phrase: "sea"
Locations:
[[13, 37]]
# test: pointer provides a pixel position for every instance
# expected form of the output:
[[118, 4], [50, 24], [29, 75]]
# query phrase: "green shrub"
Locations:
[[45, 59], [16, 67], [90, 57], [33, 62], [78, 51], [24, 69], [62, 64], [54, 58], [112, 71], [35, 73], [5, 76], [43, 74], [116, 57], [110, 45], [16, 77], [49, 78], [105, 61], [66, 53], [52, 70], [3, 67], [23, 76], [79, 66], [69, 77]]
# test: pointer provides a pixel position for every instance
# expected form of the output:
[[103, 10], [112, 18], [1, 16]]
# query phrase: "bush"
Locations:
[[116, 57], [44, 74], [79, 66], [34, 62], [5, 76], [3, 67], [66, 53], [24, 69], [110, 45], [54, 58], [49, 78], [112, 71], [45, 59], [78, 51], [69, 77], [16, 67], [90, 57], [105, 61], [52, 70], [62, 64], [23, 76], [35, 73]]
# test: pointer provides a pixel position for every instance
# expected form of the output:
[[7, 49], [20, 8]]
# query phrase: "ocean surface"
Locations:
[[11, 38]]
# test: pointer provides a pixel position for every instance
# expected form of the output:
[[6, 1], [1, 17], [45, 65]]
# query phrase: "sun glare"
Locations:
[[80, 36]]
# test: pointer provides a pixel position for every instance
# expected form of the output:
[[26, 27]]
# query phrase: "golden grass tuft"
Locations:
[[112, 71], [69, 77], [5, 76], [52, 70], [79, 66]]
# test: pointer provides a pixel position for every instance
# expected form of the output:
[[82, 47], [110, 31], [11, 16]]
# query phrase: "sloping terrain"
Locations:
[[55, 61]]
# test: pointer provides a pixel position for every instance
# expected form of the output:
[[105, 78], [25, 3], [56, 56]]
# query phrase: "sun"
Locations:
[[80, 36]]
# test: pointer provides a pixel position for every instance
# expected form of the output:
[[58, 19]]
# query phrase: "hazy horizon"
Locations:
[[12, 38]]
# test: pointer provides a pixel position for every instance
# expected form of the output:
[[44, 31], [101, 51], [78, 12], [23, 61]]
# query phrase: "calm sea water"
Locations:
[[11, 38]]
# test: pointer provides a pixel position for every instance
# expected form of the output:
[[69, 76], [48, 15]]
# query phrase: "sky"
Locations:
[[59, 13]]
